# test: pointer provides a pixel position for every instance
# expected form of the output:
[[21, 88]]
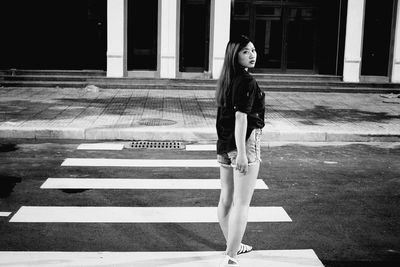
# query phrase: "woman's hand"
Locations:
[[242, 163]]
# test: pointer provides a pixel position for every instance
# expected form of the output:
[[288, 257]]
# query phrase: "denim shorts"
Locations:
[[253, 151]]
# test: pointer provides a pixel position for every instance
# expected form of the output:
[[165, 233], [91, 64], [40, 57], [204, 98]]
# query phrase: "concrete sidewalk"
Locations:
[[189, 115]]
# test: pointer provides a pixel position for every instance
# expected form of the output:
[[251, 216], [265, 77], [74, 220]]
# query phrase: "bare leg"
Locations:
[[225, 199], [243, 192]]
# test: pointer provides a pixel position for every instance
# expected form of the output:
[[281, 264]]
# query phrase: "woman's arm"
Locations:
[[240, 139]]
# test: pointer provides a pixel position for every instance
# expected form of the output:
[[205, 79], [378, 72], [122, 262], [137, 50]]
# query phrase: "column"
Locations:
[[353, 45], [220, 31], [396, 54], [168, 30], [116, 38]]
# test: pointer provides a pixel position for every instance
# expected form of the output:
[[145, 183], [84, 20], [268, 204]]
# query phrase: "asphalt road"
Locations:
[[344, 201]]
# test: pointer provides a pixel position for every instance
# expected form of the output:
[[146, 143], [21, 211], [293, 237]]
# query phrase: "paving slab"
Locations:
[[189, 115]]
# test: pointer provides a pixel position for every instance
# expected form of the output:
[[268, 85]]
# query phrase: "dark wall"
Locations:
[[45, 34]]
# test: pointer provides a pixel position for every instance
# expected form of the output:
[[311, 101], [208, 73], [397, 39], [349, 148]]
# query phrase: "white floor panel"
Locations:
[[99, 162], [101, 146], [275, 258], [115, 183], [77, 214], [201, 147]]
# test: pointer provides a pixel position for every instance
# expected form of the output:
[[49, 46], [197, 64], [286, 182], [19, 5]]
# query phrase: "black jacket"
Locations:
[[244, 95]]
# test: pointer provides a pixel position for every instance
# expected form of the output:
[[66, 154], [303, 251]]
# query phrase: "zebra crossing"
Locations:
[[275, 258], [100, 214], [83, 162], [132, 183], [64, 214]]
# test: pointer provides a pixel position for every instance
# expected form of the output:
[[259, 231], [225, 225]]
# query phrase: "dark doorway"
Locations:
[[268, 36], [142, 34], [96, 29], [46, 34], [301, 38], [377, 37], [194, 35], [291, 35]]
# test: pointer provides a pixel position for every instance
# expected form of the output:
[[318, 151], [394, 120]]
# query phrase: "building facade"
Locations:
[[187, 38]]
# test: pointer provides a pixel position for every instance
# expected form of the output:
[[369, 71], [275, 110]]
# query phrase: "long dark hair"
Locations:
[[230, 67]]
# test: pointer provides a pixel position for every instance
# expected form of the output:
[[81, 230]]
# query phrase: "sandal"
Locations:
[[244, 249], [229, 262]]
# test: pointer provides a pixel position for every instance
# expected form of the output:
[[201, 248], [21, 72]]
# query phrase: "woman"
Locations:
[[240, 118]]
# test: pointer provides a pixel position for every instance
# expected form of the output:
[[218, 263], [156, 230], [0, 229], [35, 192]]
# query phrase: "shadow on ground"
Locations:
[[394, 263], [8, 147], [7, 184]]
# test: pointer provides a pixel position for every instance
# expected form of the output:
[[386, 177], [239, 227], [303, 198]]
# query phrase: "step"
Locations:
[[257, 258], [98, 79], [206, 83], [66, 78], [55, 78], [326, 83], [329, 89], [184, 86], [62, 84], [128, 80], [151, 80], [106, 82], [303, 77], [18, 72], [79, 84], [339, 88]]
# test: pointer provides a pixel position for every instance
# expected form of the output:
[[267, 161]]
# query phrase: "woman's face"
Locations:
[[247, 56]]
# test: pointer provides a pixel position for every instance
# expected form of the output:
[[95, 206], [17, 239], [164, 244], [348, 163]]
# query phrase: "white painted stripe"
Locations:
[[330, 162], [5, 214], [52, 214], [201, 147], [86, 162], [101, 146], [276, 258], [114, 183]]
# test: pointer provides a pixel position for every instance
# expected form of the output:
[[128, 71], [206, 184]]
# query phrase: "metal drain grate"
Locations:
[[157, 145]]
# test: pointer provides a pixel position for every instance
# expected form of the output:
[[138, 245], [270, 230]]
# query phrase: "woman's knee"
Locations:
[[242, 202], [226, 199], [243, 197]]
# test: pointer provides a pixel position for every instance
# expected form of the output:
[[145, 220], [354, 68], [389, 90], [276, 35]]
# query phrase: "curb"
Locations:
[[188, 134]]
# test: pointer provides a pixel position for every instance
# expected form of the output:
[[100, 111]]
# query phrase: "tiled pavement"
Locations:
[[189, 115]]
